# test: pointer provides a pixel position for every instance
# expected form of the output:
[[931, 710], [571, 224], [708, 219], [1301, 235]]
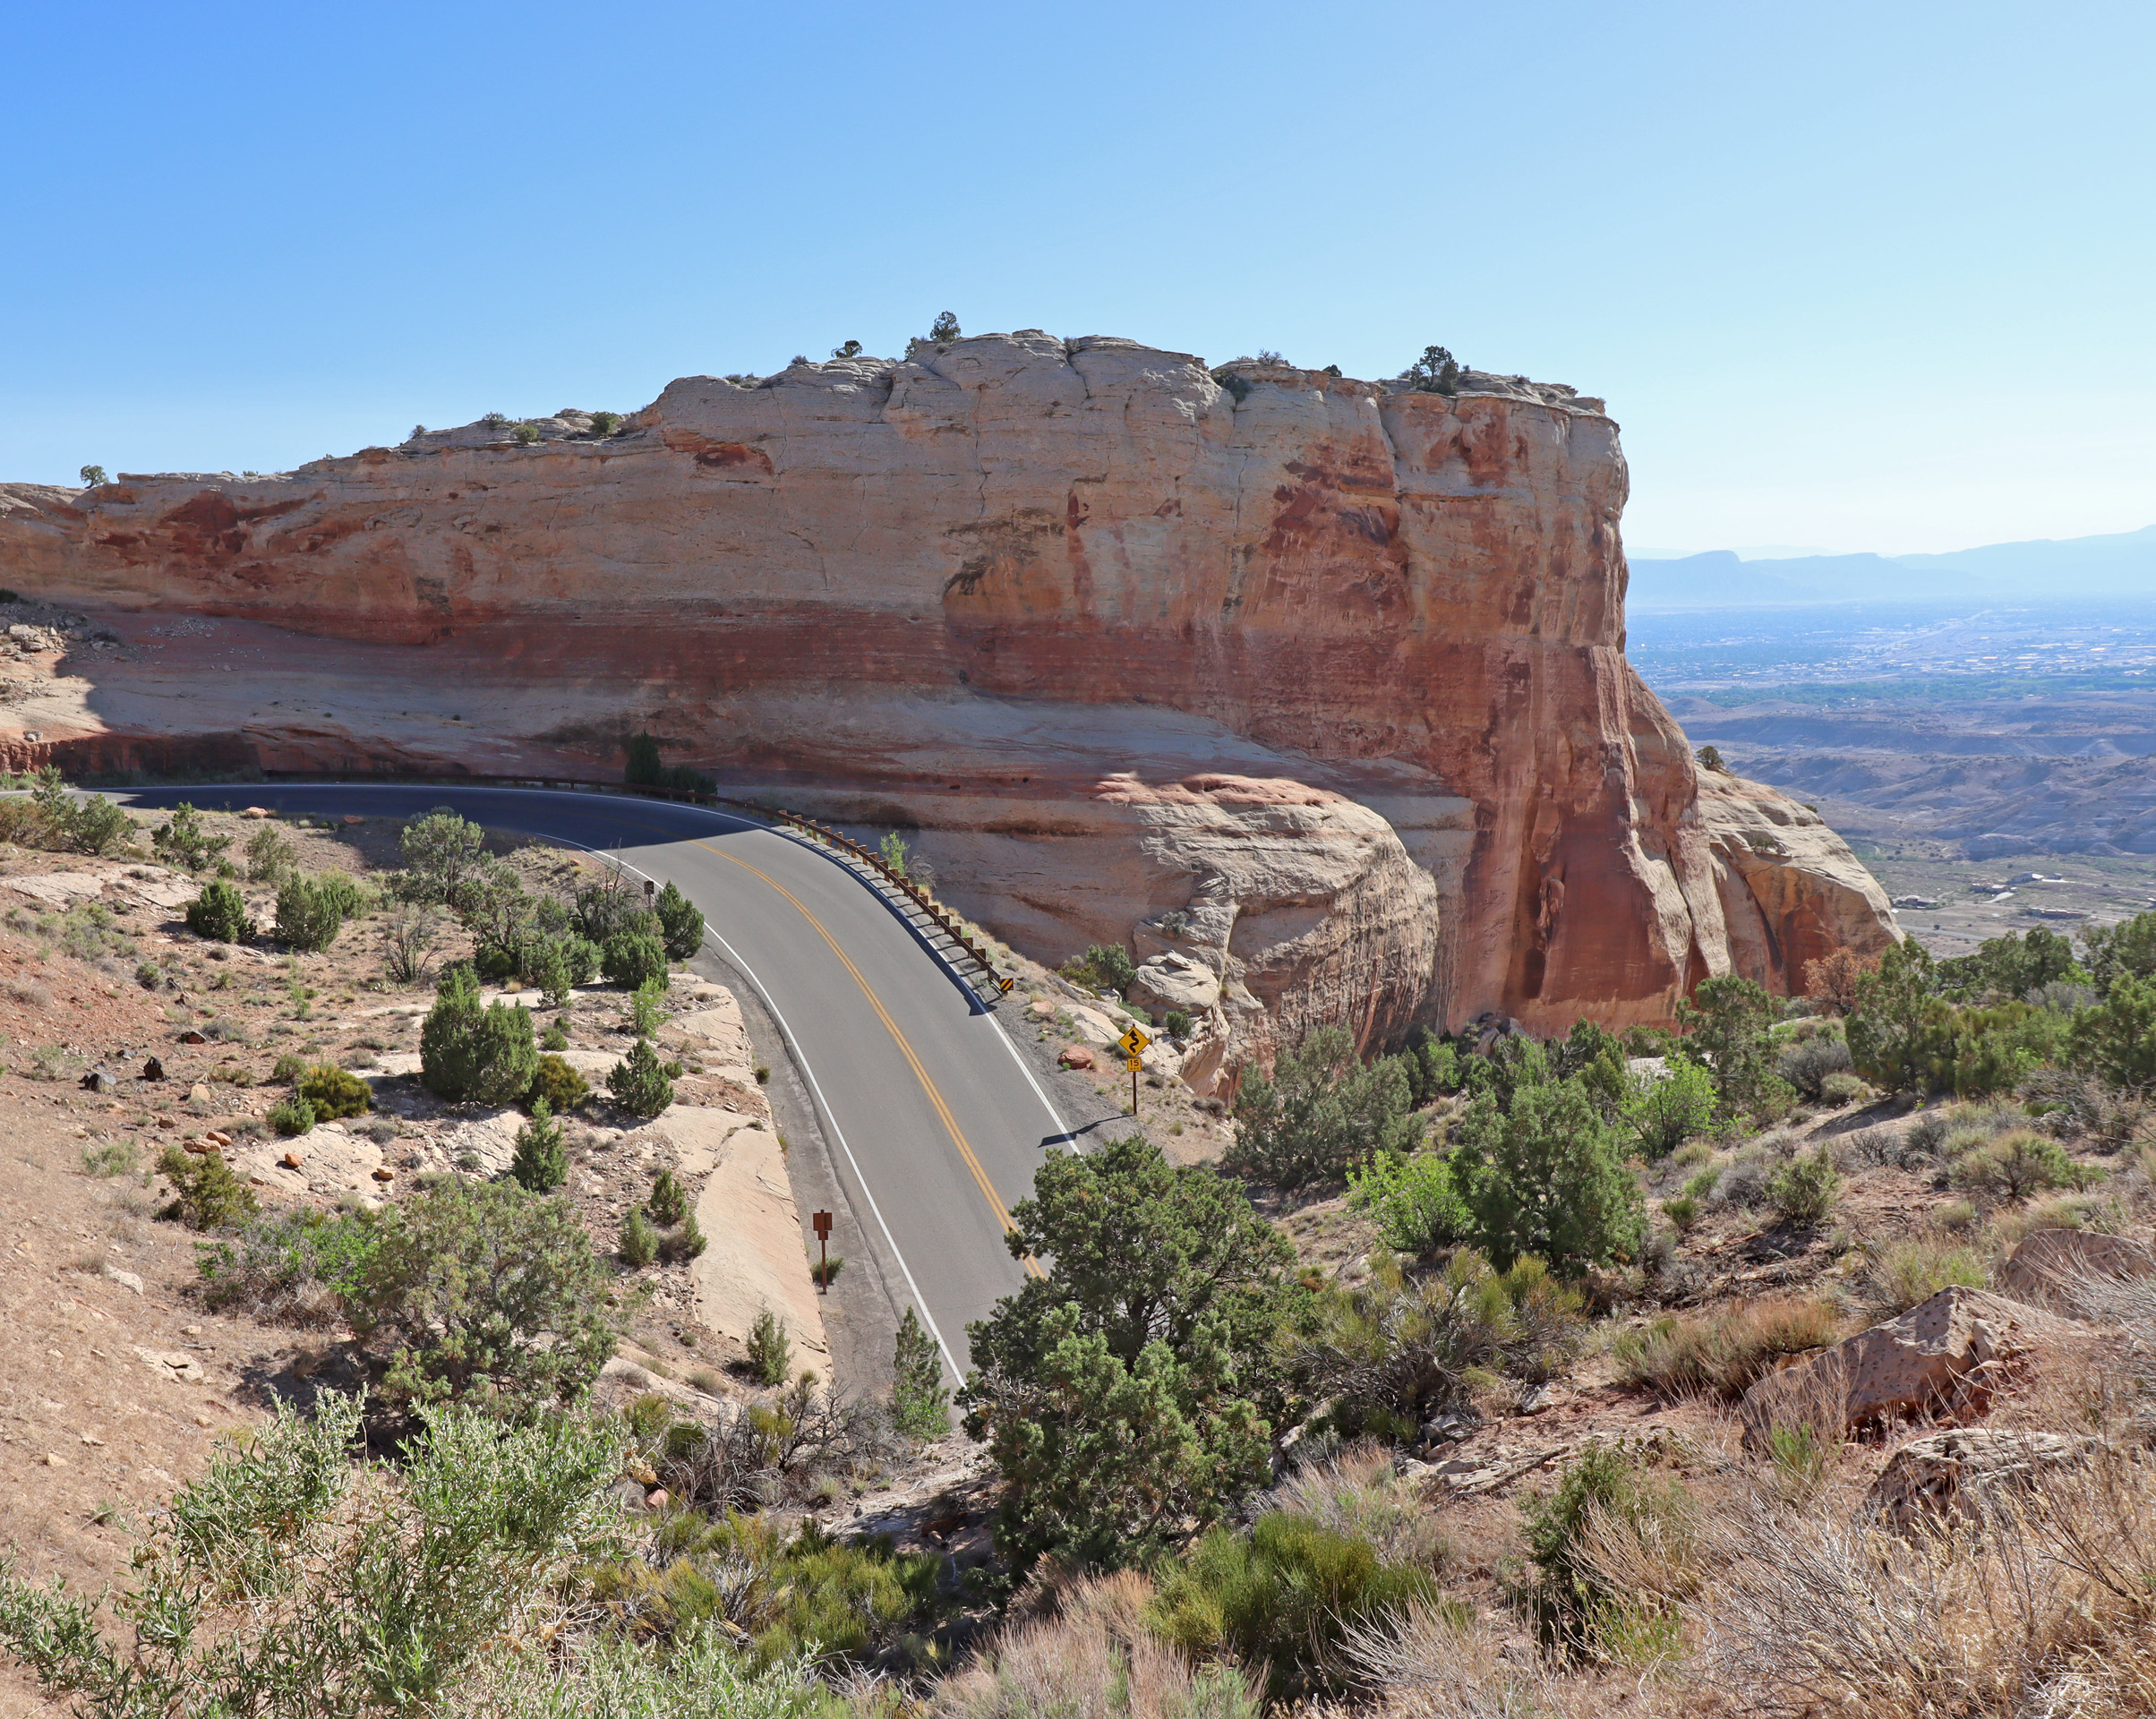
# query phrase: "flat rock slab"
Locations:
[[331, 1162], [755, 1258]]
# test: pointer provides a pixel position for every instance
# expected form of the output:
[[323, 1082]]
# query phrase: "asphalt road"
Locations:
[[936, 1125]]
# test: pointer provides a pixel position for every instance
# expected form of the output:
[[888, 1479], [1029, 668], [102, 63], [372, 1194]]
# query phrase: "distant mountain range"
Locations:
[[2078, 568]]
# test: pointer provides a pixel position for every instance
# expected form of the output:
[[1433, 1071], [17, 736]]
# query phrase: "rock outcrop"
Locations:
[[1332, 669], [1951, 1352], [1962, 1473]]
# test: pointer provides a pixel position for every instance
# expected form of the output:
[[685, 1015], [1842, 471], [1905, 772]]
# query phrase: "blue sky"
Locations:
[[1853, 277]]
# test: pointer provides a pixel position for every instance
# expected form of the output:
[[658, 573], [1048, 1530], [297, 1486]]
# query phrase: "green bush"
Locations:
[[291, 1268], [1285, 1596], [2126, 950], [485, 1055], [920, 1408], [1415, 1201], [1131, 1389], [271, 856], [1895, 1017], [1394, 1350], [605, 424], [1572, 1602], [640, 1244], [1726, 1020], [110, 1158], [556, 1085], [334, 1093], [2009, 968], [1321, 1114], [290, 1117], [1661, 1113], [440, 852], [811, 1594], [1432, 1068], [555, 1038], [288, 1067], [640, 1083], [206, 1194], [646, 1016], [680, 924], [557, 963], [2117, 1041], [2015, 1166], [309, 913], [669, 1203], [287, 1581], [1909, 1274], [480, 1290], [1104, 967], [89, 825], [1843, 1088], [634, 957], [219, 913], [642, 768], [1176, 1024], [181, 840], [1546, 1177], [1803, 1190], [541, 1162], [1809, 1064], [687, 1243], [770, 1349]]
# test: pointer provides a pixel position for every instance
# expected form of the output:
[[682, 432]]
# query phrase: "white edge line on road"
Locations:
[[800, 1058], [1063, 1128]]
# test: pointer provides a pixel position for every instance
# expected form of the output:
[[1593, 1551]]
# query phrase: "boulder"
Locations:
[[2051, 1265], [98, 1080], [1943, 1475], [1952, 1350], [1076, 1056], [152, 1069], [1173, 980]]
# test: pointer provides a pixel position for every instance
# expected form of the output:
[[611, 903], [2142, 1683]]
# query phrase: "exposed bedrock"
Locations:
[[1335, 672]]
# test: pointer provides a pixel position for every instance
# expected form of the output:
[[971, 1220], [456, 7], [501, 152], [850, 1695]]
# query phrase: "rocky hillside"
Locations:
[[1318, 682]]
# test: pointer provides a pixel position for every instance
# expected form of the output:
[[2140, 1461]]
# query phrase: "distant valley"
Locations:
[[1956, 743]]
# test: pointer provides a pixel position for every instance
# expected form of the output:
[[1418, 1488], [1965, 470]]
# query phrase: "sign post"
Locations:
[[1133, 1044], [822, 1220]]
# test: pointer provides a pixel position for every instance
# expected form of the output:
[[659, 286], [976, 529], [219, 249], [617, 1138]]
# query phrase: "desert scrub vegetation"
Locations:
[[1402, 1348], [1132, 1391], [1285, 1594], [289, 1579], [1724, 1351]]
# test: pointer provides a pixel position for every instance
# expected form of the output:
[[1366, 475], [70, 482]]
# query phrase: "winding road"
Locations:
[[934, 1122]]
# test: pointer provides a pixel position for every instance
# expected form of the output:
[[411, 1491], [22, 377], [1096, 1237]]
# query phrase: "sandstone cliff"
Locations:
[[1332, 671]]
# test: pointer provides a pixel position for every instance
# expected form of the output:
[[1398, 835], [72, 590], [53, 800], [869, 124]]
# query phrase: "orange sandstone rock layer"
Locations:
[[1329, 677]]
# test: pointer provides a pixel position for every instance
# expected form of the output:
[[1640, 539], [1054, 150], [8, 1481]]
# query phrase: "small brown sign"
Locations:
[[822, 1222]]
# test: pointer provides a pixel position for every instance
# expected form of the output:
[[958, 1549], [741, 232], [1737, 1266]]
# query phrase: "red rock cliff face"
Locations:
[[1013, 591]]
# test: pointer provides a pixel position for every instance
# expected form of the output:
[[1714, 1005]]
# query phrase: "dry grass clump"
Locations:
[[1081, 1647], [1429, 1665], [1357, 1493], [1724, 1351], [2045, 1603], [1911, 1272]]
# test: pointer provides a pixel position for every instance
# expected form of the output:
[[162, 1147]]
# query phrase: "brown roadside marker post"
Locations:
[[822, 1220]]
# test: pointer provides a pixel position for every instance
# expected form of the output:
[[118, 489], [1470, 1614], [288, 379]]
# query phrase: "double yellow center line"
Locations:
[[920, 1073]]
